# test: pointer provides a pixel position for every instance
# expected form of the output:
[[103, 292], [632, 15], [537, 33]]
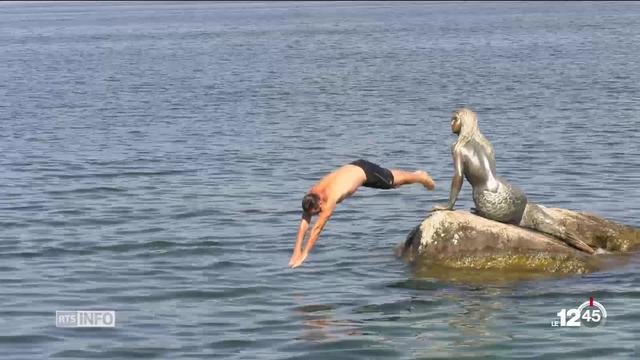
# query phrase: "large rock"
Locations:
[[461, 240]]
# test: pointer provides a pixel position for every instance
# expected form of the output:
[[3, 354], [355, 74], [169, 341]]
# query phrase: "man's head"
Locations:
[[311, 204]]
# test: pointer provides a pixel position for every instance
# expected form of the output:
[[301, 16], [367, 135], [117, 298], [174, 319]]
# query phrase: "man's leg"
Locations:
[[418, 177]]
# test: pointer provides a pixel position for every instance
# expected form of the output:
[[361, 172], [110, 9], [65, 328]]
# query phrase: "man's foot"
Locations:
[[426, 180]]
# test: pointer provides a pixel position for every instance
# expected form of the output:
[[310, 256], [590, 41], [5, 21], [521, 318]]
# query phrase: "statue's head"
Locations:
[[464, 122]]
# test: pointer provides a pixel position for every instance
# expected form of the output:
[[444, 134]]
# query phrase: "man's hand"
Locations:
[[294, 257], [300, 258], [302, 229], [439, 208]]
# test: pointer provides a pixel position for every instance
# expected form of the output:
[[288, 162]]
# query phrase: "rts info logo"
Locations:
[[590, 314]]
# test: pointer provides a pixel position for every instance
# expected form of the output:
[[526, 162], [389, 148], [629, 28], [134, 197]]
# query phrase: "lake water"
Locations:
[[153, 157]]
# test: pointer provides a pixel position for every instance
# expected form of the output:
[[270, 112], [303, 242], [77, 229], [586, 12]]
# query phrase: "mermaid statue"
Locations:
[[495, 198]]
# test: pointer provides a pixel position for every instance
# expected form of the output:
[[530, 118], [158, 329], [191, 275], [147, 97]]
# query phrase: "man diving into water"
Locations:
[[323, 197]]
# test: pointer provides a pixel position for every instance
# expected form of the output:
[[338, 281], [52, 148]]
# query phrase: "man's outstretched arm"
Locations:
[[323, 217], [302, 230]]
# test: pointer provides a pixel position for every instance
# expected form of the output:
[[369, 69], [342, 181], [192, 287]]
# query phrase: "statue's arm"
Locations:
[[458, 178], [456, 182]]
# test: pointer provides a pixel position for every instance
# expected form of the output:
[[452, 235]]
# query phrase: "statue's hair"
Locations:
[[469, 130]]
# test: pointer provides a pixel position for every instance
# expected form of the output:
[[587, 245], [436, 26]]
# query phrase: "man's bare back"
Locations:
[[340, 184], [323, 197]]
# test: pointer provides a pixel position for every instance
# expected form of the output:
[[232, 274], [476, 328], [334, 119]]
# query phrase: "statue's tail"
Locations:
[[536, 218]]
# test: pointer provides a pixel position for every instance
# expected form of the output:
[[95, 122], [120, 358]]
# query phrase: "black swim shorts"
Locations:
[[377, 176]]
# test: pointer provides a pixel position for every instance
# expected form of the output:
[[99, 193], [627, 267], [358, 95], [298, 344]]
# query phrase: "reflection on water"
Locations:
[[479, 277], [474, 318], [158, 152], [320, 325], [426, 270]]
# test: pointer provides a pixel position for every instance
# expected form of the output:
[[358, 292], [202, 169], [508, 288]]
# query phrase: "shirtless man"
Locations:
[[323, 197]]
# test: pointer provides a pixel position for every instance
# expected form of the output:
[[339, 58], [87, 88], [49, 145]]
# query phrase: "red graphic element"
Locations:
[[590, 301]]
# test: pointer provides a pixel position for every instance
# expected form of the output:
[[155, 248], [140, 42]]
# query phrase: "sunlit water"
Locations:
[[153, 158]]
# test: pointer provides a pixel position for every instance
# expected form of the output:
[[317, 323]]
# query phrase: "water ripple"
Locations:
[[154, 155]]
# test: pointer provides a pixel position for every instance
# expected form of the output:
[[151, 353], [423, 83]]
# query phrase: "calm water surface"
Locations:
[[153, 157]]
